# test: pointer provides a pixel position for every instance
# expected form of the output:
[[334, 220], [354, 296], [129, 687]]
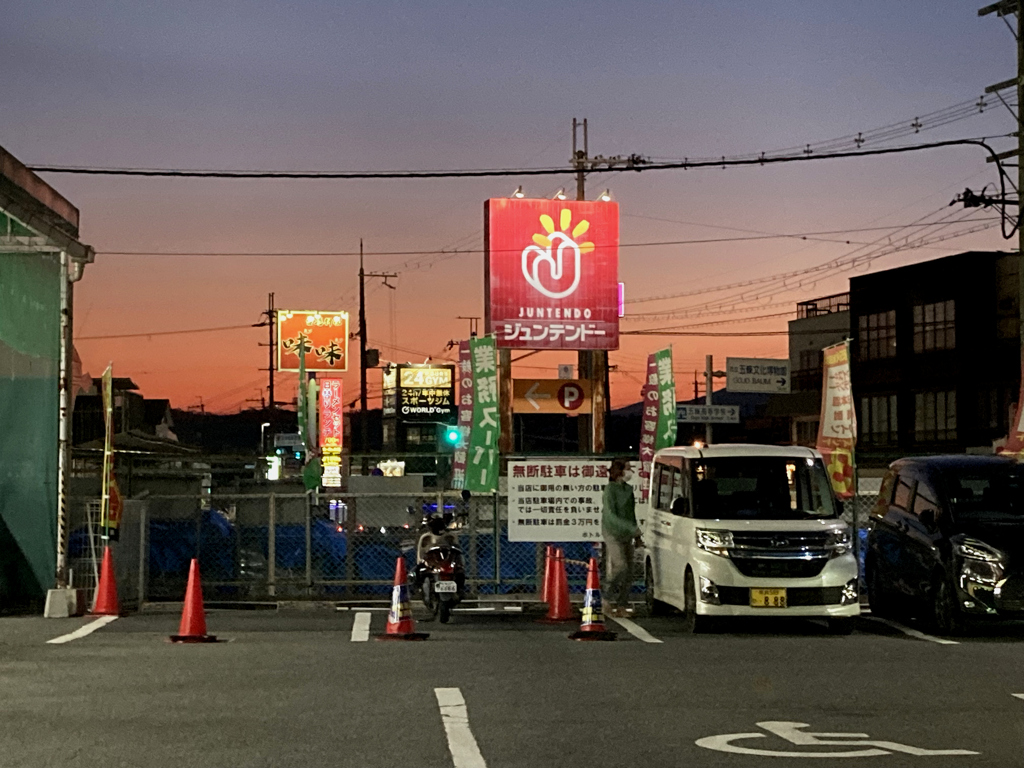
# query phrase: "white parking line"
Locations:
[[82, 631], [1018, 695], [913, 632], [635, 630], [461, 742], [361, 627]]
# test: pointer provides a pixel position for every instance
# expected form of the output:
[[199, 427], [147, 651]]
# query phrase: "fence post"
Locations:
[[272, 547], [471, 516], [143, 548], [309, 541], [497, 546], [350, 558]]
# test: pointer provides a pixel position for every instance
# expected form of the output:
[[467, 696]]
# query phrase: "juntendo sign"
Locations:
[[552, 273]]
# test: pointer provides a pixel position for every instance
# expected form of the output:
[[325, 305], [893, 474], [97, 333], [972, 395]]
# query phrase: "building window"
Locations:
[[877, 335], [935, 416], [935, 326], [878, 419]]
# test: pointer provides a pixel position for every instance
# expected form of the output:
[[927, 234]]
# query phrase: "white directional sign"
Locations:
[[794, 734], [755, 374], [708, 414]]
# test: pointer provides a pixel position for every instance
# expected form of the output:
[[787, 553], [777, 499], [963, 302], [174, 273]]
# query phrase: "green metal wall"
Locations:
[[29, 372]]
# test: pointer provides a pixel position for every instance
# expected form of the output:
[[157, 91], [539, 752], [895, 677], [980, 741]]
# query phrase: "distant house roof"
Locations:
[[120, 384]]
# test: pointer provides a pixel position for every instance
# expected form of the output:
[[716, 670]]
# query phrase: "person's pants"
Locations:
[[619, 562]]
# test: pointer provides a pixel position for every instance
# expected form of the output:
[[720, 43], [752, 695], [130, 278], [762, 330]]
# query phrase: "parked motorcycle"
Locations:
[[440, 568]]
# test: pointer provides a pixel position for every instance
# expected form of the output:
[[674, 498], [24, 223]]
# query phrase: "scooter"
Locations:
[[440, 569]]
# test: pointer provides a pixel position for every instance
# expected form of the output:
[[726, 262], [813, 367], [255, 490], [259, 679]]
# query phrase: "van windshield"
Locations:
[[985, 493], [761, 488]]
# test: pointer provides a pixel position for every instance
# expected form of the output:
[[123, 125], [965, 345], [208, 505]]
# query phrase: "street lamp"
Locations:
[[263, 445]]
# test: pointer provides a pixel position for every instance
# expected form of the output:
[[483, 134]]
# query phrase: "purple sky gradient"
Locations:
[[396, 85]]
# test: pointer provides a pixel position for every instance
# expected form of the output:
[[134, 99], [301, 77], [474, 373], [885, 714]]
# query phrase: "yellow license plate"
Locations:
[[767, 598]]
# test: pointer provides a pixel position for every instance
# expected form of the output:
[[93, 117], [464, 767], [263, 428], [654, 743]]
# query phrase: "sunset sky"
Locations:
[[319, 85]]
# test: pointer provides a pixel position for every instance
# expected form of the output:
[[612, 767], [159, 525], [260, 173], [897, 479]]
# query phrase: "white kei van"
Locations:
[[747, 530]]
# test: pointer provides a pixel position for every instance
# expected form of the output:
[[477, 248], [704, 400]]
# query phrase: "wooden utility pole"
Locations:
[[364, 422], [591, 364]]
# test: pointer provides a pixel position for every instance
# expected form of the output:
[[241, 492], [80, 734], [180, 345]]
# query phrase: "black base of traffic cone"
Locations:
[[406, 636]]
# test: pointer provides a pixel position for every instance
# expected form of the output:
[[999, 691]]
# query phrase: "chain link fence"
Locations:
[[281, 546]]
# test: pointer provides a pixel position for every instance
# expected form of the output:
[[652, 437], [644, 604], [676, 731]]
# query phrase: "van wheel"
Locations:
[[693, 622], [879, 599], [654, 607], [947, 618]]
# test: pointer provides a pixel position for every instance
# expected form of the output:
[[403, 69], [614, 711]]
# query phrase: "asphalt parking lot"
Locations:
[[311, 687]]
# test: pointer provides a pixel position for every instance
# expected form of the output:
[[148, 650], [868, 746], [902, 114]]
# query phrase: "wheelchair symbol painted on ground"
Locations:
[[791, 732]]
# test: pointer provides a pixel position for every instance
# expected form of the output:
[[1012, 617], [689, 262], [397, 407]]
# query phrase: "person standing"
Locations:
[[620, 531]]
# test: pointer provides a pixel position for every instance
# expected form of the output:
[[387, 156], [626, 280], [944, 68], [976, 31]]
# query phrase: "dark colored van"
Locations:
[[946, 541]]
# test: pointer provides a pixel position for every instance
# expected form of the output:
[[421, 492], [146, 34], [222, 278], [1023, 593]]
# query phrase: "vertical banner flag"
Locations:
[[667, 425], [332, 430], [482, 458], [465, 417], [552, 273], [111, 504], [648, 424], [1015, 439], [837, 430]]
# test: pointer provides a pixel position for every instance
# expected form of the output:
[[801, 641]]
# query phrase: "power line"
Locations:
[[164, 333], [638, 165]]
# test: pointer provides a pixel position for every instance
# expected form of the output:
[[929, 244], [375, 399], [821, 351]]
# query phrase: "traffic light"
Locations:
[[451, 436]]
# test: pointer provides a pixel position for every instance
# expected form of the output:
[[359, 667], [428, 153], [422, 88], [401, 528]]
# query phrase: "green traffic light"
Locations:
[[452, 436]]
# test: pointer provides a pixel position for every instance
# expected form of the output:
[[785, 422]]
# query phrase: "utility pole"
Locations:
[[709, 385], [474, 324], [591, 364], [270, 321], [1008, 8], [364, 423]]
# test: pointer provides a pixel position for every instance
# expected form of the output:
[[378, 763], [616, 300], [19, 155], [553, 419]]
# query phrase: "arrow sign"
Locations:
[[533, 395], [753, 374], [551, 396]]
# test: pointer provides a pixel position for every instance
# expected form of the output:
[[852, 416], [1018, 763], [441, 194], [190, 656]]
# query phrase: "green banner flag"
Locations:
[[667, 427], [482, 456]]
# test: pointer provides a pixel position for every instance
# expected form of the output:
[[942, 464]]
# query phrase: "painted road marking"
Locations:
[[461, 743], [791, 732], [914, 632], [514, 608], [361, 627], [81, 632], [1018, 695], [635, 630], [372, 608]]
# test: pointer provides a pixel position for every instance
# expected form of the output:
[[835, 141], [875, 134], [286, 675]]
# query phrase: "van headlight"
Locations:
[[975, 549], [715, 542], [839, 541]]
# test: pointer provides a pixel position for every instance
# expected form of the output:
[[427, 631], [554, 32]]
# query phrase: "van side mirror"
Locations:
[[928, 519], [681, 507]]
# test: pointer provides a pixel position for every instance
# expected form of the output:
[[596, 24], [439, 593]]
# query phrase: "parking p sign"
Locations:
[[753, 374]]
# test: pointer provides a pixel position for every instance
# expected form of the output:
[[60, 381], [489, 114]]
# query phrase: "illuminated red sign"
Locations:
[[331, 414], [552, 273], [323, 336]]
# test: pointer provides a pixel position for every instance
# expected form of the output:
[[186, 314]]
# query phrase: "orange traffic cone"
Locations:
[[559, 607], [193, 617], [592, 627], [545, 595], [106, 593], [400, 622]]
